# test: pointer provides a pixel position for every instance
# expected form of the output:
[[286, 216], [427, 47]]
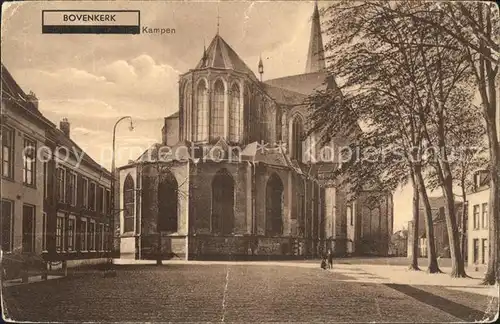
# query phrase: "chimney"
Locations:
[[31, 97], [64, 126]]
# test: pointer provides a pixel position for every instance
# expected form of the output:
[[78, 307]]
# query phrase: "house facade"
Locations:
[[23, 220], [441, 240], [55, 198], [79, 206], [478, 222]]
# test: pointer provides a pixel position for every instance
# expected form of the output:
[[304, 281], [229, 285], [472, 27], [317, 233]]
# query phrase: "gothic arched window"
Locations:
[[222, 203], [297, 138], [274, 206], [128, 204], [200, 112], [235, 114], [217, 115], [187, 102], [168, 201]]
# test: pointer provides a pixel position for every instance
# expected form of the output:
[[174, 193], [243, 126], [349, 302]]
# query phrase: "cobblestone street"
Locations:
[[235, 292]]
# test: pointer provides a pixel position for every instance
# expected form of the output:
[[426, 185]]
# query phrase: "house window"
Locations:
[[85, 193], [7, 221], [101, 237], [59, 233], [107, 237], [72, 188], [92, 196], [91, 236], [485, 215], [83, 235], [107, 202], [28, 228], [45, 179], [128, 204], [29, 164], [475, 215], [476, 250], [44, 231], [484, 252], [71, 234], [7, 152], [100, 199], [61, 184], [98, 237], [350, 215]]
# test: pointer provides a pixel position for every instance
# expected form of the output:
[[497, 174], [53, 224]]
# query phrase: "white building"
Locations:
[[477, 223]]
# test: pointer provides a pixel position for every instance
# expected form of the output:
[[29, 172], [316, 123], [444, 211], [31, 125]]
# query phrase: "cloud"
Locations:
[[139, 87], [87, 131], [79, 107], [119, 72]]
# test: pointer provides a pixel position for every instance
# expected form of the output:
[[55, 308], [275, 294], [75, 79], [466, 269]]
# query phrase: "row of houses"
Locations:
[[476, 223], [55, 199]]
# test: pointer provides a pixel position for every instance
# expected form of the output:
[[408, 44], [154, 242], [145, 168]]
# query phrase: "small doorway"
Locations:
[[28, 228]]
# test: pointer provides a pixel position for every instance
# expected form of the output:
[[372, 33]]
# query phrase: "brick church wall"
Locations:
[[201, 191]]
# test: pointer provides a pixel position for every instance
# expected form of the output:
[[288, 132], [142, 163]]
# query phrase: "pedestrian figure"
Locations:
[[330, 259], [323, 263]]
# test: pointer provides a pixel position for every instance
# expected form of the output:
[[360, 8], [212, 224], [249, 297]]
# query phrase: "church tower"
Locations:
[[316, 54]]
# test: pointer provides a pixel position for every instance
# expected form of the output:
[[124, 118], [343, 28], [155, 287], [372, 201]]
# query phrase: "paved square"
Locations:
[[229, 293]]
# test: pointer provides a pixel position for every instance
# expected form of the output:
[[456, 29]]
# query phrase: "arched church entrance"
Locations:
[[274, 206], [222, 203]]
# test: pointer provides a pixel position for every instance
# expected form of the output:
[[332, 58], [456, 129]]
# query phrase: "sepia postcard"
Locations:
[[250, 161]]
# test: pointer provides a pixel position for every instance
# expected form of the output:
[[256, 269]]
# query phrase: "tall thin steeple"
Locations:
[[316, 54], [218, 19], [261, 68]]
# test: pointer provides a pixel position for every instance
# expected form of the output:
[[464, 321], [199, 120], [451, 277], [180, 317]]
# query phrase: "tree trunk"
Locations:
[[486, 75], [457, 262], [429, 228], [492, 274], [463, 224], [414, 242]]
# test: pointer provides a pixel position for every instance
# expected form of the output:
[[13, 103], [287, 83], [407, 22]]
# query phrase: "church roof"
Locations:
[[174, 115], [302, 83], [268, 155], [284, 96], [220, 55]]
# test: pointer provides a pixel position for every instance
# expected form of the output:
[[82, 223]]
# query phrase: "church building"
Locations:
[[236, 177]]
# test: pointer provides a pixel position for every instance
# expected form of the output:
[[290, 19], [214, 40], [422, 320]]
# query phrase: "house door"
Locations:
[[28, 228]]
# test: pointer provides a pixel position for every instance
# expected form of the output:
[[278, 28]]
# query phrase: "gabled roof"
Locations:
[[303, 83], [63, 140], [284, 96], [12, 92], [174, 115], [220, 55]]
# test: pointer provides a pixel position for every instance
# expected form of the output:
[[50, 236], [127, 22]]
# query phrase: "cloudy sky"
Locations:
[[95, 79]]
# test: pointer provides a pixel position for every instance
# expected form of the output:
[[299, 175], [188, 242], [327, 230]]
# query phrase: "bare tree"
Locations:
[[474, 26]]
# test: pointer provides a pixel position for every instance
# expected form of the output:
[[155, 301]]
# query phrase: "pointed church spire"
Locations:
[[204, 57], [218, 19], [261, 67], [316, 54]]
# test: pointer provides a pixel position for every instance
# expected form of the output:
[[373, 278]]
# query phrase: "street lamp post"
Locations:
[[109, 269]]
